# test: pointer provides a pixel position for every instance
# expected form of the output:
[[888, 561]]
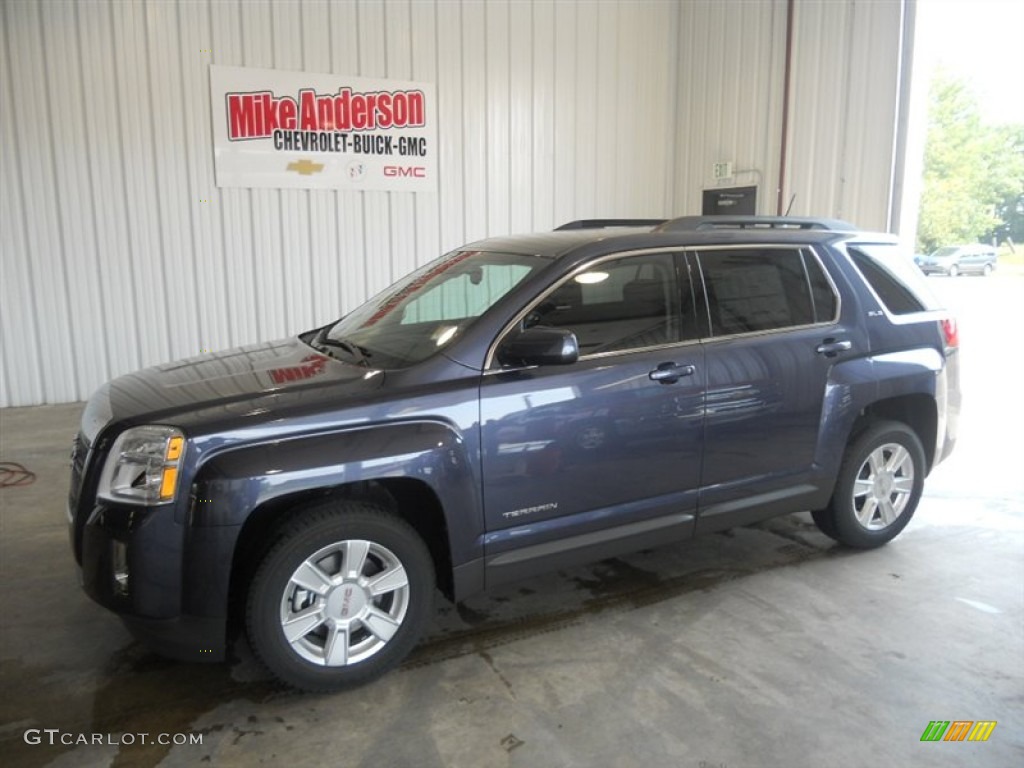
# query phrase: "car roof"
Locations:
[[559, 243]]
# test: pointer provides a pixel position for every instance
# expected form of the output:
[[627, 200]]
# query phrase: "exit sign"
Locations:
[[721, 171]]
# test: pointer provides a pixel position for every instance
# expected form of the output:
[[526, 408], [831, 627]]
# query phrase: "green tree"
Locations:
[[973, 172], [1010, 209]]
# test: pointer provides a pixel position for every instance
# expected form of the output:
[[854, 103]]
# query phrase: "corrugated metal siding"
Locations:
[[119, 252], [843, 97], [731, 57]]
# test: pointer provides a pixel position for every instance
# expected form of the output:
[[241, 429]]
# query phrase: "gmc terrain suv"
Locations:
[[518, 405]]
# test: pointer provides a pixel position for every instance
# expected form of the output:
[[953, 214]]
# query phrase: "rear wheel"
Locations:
[[954, 271], [341, 598], [878, 489]]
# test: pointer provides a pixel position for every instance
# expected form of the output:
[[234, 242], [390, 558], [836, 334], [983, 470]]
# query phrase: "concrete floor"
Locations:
[[763, 646]]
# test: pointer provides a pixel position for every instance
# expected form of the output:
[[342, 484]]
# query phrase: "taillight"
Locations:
[[950, 333]]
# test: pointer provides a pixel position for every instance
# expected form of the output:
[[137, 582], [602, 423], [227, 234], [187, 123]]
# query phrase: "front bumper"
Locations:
[[167, 581], [187, 638]]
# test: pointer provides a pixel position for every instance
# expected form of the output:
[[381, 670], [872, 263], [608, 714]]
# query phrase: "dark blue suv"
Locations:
[[518, 405]]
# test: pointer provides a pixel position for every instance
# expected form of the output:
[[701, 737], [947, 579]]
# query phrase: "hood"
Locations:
[[268, 378]]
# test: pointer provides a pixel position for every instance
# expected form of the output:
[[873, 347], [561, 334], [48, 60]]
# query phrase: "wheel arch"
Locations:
[[412, 500], [420, 470], [917, 411]]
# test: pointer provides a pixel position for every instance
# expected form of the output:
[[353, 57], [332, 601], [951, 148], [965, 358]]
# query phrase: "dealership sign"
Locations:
[[295, 129]]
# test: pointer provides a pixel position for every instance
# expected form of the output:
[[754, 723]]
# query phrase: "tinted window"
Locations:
[[764, 289], [623, 304], [894, 277]]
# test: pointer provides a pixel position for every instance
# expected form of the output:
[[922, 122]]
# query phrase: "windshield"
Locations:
[[424, 311]]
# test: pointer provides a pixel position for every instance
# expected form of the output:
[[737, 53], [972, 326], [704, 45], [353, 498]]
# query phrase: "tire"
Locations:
[[878, 488], [986, 270], [346, 628], [823, 519], [954, 271]]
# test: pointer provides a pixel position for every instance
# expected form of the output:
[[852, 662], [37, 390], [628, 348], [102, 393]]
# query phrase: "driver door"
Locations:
[[602, 456]]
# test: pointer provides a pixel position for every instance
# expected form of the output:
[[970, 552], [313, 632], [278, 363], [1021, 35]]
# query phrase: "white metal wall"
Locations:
[[119, 252], [843, 101], [845, 95]]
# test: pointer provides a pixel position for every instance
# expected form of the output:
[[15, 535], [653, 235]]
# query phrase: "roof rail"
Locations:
[[684, 223], [604, 223]]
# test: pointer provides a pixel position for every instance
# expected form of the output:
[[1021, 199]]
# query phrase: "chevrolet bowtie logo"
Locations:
[[305, 167]]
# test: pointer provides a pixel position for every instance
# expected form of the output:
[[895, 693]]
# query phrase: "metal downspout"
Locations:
[[787, 76]]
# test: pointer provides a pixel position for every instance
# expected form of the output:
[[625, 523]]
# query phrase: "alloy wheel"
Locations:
[[884, 485], [344, 603]]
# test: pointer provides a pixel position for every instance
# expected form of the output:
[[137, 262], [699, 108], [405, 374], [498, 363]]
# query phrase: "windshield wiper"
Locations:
[[359, 353]]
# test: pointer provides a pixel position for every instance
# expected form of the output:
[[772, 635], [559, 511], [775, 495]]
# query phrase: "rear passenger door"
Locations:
[[773, 331]]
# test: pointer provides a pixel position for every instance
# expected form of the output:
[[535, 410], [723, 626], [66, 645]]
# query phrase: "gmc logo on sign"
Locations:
[[409, 171]]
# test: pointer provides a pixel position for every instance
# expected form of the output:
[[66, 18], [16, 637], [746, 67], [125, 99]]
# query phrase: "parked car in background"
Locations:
[[956, 260], [520, 405]]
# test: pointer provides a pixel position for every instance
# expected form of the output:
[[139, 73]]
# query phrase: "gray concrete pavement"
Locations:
[[765, 646]]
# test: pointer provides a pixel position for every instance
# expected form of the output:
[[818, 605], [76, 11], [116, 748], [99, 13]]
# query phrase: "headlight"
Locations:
[[142, 467]]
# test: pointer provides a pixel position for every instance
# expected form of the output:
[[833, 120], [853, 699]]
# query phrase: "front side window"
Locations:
[[763, 289], [425, 311], [616, 305]]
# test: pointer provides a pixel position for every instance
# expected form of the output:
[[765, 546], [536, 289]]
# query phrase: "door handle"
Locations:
[[832, 347], [670, 373]]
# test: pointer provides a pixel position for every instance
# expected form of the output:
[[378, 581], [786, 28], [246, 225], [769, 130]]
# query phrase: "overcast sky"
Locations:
[[982, 41]]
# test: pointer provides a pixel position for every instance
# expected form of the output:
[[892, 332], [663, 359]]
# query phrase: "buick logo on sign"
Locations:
[[356, 171]]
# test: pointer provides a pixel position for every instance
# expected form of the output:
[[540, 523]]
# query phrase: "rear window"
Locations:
[[896, 280]]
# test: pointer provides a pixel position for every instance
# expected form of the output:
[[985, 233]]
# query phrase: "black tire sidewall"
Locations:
[[314, 529], [823, 518], [847, 529]]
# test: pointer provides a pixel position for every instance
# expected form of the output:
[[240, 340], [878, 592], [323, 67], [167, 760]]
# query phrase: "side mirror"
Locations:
[[540, 346]]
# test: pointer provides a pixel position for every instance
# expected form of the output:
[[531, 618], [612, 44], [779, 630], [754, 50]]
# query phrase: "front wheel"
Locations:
[[341, 598], [986, 270], [878, 488], [954, 271]]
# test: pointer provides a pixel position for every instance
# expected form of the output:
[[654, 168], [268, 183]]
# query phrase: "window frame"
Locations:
[[803, 251], [680, 263]]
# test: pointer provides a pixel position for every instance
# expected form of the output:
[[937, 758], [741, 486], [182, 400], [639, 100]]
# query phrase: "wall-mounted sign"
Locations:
[[312, 131]]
